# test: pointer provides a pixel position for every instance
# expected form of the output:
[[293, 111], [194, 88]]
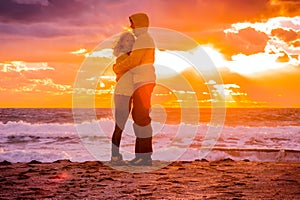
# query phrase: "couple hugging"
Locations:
[[135, 76]]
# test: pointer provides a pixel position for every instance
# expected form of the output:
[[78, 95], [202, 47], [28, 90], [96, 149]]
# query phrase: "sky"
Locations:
[[255, 45]]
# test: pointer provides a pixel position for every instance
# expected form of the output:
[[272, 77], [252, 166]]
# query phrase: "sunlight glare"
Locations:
[[168, 64], [260, 62], [216, 57]]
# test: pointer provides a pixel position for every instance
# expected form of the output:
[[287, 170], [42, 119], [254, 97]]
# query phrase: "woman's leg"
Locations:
[[122, 110]]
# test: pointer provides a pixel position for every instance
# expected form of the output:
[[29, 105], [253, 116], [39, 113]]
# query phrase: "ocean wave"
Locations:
[[254, 117], [215, 154], [22, 141]]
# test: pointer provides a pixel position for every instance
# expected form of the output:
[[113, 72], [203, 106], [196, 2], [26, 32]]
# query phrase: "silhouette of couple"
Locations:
[[135, 76]]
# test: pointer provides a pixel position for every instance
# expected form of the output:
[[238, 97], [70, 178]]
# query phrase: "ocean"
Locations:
[[47, 135]]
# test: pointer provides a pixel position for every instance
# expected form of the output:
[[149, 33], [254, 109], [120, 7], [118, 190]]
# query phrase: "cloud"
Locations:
[[161, 12], [46, 30], [211, 82], [42, 83], [37, 78], [276, 35], [296, 43], [31, 10], [286, 35], [247, 41], [103, 53], [45, 86], [283, 57], [20, 66], [32, 2], [233, 94], [79, 52], [208, 12], [284, 7], [56, 11], [78, 24], [286, 23]]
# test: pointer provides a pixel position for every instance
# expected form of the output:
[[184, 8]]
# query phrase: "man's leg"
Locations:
[[142, 121]]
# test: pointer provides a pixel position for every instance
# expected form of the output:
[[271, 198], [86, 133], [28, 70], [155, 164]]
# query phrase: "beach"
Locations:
[[199, 179], [208, 89], [45, 155]]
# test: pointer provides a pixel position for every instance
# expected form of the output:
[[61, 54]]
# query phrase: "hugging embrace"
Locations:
[[135, 76]]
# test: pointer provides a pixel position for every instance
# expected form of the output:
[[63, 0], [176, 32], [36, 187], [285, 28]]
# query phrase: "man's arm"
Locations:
[[133, 60]]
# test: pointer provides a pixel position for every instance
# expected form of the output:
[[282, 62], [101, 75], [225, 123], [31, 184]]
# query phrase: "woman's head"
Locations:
[[124, 44]]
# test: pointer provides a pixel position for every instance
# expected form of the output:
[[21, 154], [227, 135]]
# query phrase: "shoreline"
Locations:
[[199, 179]]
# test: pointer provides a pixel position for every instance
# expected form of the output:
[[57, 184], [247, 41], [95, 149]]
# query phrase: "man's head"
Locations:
[[139, 21]]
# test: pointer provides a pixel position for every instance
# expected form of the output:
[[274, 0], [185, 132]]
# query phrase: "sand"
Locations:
[[225, 179]]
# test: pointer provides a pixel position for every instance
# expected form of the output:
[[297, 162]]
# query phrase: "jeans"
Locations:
[[139, 104]]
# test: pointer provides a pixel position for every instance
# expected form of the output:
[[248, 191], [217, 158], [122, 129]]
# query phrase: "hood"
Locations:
[[140, 20]]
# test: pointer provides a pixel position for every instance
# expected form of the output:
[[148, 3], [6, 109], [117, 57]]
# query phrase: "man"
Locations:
[[140, 64]]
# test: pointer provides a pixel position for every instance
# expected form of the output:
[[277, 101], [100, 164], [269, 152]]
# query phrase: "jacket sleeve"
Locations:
[[133, 60]]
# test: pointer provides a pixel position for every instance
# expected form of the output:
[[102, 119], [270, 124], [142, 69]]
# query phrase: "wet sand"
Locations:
[[225, 179]]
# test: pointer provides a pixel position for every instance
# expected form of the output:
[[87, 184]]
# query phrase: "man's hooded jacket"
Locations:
[[141, 59]]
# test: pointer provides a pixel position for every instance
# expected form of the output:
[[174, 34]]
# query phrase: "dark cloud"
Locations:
[[55, 18], [40, 30], [190, 15], [44, 30], [195, 11], [13, 11], [31, 11], [33, 2], [83, 23]]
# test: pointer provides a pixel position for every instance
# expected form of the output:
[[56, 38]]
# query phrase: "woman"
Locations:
[[122, 95]]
